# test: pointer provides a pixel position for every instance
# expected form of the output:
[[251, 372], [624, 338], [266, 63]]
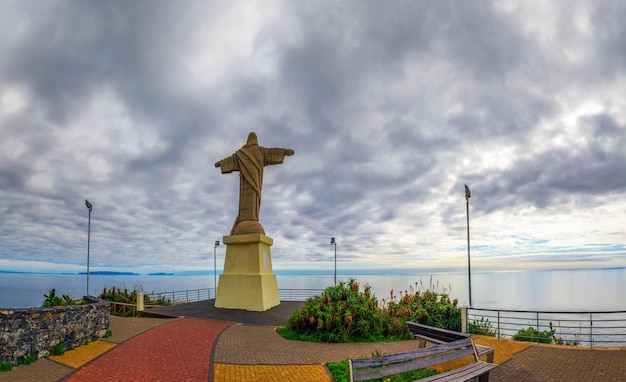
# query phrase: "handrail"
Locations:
[[192, 295], [585, 328]]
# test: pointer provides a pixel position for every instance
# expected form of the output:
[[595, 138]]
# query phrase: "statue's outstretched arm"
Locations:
[[228, 164], [275, 155]]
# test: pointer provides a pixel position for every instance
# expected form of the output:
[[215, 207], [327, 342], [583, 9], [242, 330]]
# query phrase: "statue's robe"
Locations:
[[250, 161]]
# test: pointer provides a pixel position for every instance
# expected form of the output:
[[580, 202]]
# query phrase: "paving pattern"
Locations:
[[76, 358], [176, 351], [191, 349], [278, 373], [505, 349], [548, 363], [261, 345], [40, 371]]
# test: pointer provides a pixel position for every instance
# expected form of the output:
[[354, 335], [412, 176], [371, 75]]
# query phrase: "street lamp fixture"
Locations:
[[89, 207], [334, 243], [468, 194], [217, 244]]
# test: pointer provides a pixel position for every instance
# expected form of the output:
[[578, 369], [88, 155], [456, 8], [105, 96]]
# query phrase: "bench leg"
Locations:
[[421, 343]]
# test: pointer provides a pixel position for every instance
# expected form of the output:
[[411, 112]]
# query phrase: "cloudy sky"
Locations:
[[391, 107]]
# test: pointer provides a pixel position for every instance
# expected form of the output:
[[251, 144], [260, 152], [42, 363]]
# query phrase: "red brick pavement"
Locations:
[[177, 351]]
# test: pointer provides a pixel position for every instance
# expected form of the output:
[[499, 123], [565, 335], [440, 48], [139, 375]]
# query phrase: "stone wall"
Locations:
[[37, 331]]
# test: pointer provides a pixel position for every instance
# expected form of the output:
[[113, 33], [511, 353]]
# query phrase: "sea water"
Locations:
[[550, 290]]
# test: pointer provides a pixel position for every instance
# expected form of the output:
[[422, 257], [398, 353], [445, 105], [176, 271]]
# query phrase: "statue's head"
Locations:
[[252, 140]]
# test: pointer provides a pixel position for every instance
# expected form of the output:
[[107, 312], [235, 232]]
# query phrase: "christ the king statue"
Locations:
[[250, 161]]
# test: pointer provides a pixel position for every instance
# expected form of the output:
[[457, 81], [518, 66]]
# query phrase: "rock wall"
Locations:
[[37, 331]]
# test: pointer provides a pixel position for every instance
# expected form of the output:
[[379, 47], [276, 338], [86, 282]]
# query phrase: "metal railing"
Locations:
[[183, 296], [193, 295], [561, 327], [298, 294]]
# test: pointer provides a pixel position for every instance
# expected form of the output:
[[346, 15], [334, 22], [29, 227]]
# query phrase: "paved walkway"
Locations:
[[230, 346]]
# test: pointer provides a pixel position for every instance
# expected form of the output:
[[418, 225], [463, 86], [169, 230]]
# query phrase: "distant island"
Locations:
[[160, 274], [110, 273]]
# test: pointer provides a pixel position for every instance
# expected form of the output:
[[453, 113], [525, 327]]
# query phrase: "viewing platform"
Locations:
[[244, 346]]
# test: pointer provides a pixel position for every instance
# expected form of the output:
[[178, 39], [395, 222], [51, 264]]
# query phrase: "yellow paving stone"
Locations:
[[504, 349], [81, 355], [244, 373]]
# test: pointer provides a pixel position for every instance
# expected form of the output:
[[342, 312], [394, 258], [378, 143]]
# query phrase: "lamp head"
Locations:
[[468, 194], [332, 240], [89, 205]]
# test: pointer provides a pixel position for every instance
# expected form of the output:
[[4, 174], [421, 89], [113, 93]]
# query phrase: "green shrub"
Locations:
[[130, 297], [58, 349], [343, 313], [428, 308], [51, 299], [482, 327], [564, 341], [26, 360], [575, 341], [532, 335], [6, 366], [119, 295]]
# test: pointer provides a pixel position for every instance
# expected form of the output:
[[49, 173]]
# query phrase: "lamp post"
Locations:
[[89, 207], [468, 194], [217, 244], [334, 243]]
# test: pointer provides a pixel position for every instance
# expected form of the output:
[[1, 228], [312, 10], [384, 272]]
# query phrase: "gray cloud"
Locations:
[[390, 111]]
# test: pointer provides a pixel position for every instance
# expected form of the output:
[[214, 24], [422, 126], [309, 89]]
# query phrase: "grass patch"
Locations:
[[341, 373], [339, 370], [293, 335]]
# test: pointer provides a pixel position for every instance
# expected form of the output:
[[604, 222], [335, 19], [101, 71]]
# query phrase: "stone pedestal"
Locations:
[[247, 282]]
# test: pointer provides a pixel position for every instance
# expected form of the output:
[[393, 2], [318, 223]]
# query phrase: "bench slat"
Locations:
[[410, 354], [464, 373], [449, 346], [444, 354], [441, 335]]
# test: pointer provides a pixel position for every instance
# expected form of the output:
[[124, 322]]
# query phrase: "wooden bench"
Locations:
[[362, 369], [439, 336]]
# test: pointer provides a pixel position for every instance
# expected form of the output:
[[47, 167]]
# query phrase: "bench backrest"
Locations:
[[434, 335], [379, 367]]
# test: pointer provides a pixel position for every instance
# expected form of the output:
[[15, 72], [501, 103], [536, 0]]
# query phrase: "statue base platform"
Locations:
[[247, 282]]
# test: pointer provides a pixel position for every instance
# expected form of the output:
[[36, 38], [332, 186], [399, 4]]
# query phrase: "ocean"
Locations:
[[543, 290]]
